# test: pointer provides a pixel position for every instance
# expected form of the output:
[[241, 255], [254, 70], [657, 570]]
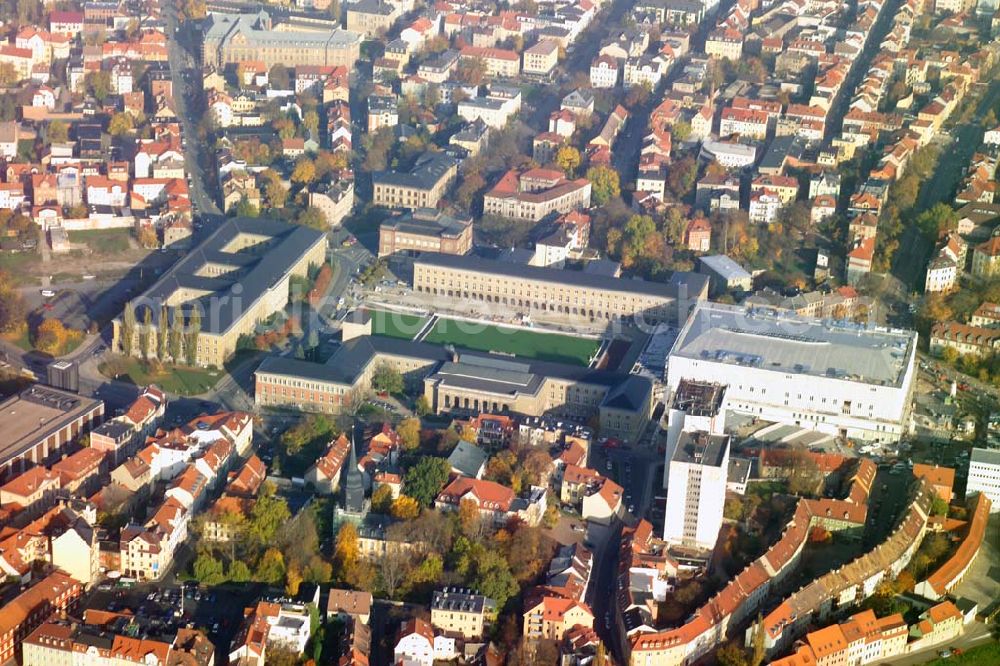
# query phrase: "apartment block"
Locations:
[[696, 489]]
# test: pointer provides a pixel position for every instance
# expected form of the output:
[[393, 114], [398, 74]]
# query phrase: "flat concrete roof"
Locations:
[[701, 448], [34, 414], [782, 342], [985, 456]]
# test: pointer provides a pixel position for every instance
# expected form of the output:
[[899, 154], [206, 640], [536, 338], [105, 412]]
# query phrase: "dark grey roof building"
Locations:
[[236, 278], [456, 382], [468, 459]]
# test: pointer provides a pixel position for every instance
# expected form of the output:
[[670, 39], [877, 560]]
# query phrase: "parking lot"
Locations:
[[218, 611]]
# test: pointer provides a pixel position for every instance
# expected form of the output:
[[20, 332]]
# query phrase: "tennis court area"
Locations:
[[554, 347]]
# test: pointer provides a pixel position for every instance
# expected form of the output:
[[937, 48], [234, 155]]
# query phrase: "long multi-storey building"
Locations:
[[945, 578], [111, 639], [862, 639], [37, 425], [233, 38], [846, 381], [237, 278], [586, 296], [23, 613], [465, 382]]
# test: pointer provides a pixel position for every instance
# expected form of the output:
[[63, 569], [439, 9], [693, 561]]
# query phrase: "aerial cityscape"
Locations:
[[535, 332]]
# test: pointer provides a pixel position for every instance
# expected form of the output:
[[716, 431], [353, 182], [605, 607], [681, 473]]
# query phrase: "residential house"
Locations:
[[551, 617], [461, 613], [325, 473]]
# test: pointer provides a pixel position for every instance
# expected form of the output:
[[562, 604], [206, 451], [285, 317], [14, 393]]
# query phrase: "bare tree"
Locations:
[[392, 570]]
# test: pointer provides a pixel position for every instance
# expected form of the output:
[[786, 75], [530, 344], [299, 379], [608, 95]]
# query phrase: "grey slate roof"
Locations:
[[629, 395], [467, 458], [223, 27], [695, 283], [231, 295], [428, 223], [739, 469], [424, 175]]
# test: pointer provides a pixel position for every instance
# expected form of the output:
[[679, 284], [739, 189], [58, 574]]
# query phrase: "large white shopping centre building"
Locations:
[[838, 378]]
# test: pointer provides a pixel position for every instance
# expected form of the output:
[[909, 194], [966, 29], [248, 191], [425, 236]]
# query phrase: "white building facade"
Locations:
[[696, 489], [843, 380], [984, 475]]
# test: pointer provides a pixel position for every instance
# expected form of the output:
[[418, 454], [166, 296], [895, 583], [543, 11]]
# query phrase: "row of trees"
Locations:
[[901, 206], [171, 337], [12, 307]]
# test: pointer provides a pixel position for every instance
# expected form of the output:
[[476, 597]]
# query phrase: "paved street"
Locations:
[[975, 634], [605, 540], [910, 261], [859, 69], [186, 75]]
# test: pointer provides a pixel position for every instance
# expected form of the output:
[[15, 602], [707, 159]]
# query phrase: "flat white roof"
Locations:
[[782, 342]]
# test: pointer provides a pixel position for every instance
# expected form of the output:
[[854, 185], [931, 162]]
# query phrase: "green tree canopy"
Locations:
[[268, 514], [605, 184], [387, 379], [494, 579], [239, 572], [313, 218], [208, 570], [409, 432], [58, 132], [426, 479], [271, 568]]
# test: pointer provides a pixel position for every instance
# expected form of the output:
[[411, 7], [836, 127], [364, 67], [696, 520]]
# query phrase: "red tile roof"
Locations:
[[43, 596], [936, 476], [577, 475], [487, 494], [949, 573], [333, 460], [28, 483], [82, 463]]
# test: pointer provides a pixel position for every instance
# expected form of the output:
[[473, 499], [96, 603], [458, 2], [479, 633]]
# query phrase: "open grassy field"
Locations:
[[16, 264], [526, 344], [178, 379], [102, 241], [396, 324]]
